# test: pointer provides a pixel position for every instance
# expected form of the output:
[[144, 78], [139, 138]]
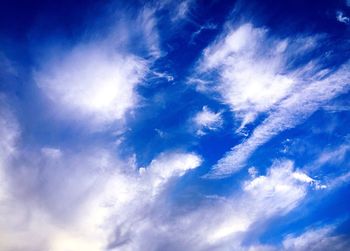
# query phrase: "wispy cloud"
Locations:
[[317, 239], [288, 114], [207, 120], [181, 10], [207, 26], [223, 223], [342, 18], [251, 75], [254, 78]]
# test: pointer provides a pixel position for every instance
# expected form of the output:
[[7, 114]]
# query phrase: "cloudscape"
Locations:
[[166, 125]]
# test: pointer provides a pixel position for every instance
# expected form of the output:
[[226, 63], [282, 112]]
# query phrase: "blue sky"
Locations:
[[174, 125]]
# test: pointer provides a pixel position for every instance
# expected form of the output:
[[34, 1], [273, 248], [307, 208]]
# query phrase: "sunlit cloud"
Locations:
[[92, 84]]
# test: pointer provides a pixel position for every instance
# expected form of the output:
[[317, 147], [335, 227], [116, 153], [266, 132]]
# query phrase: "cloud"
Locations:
[[9, 133], [224, 223], [341, 18], [52, 153], [335, 156], [181, 10], [91, 200], [317, 240], [162, 75], [276, 193], [292, 111], [255, 76], [207, 120], [58, 198], [251, 78], [147, 23], [92, 84], [207, 26], [83, 200], [9, 129]]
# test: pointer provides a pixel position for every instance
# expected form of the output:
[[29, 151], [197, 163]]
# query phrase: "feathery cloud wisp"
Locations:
[[207, 120], [254, 77]]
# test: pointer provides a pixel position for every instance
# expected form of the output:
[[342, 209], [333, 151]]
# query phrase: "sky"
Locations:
[[168, 125]]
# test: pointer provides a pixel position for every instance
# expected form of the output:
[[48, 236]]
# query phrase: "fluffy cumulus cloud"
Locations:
[[83, 201], [77, 201], [92, 83]]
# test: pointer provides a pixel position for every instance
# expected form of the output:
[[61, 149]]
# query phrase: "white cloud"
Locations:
[[334, 156], [166, 166], [9, 130], [92, 84], [164, 75], [223, 223], [147, 24], [78, 200], [207, 26], [289, 113], [207, 120], [91, 200], [57, 200], [84, 201], [282, 188], [254, 78], [181, 10], [341, 18], [253, 171], [317, 240], [50, 152], [9, 133]]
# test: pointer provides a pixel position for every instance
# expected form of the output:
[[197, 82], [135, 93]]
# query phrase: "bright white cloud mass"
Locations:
[[92, 84], [174, 126]]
